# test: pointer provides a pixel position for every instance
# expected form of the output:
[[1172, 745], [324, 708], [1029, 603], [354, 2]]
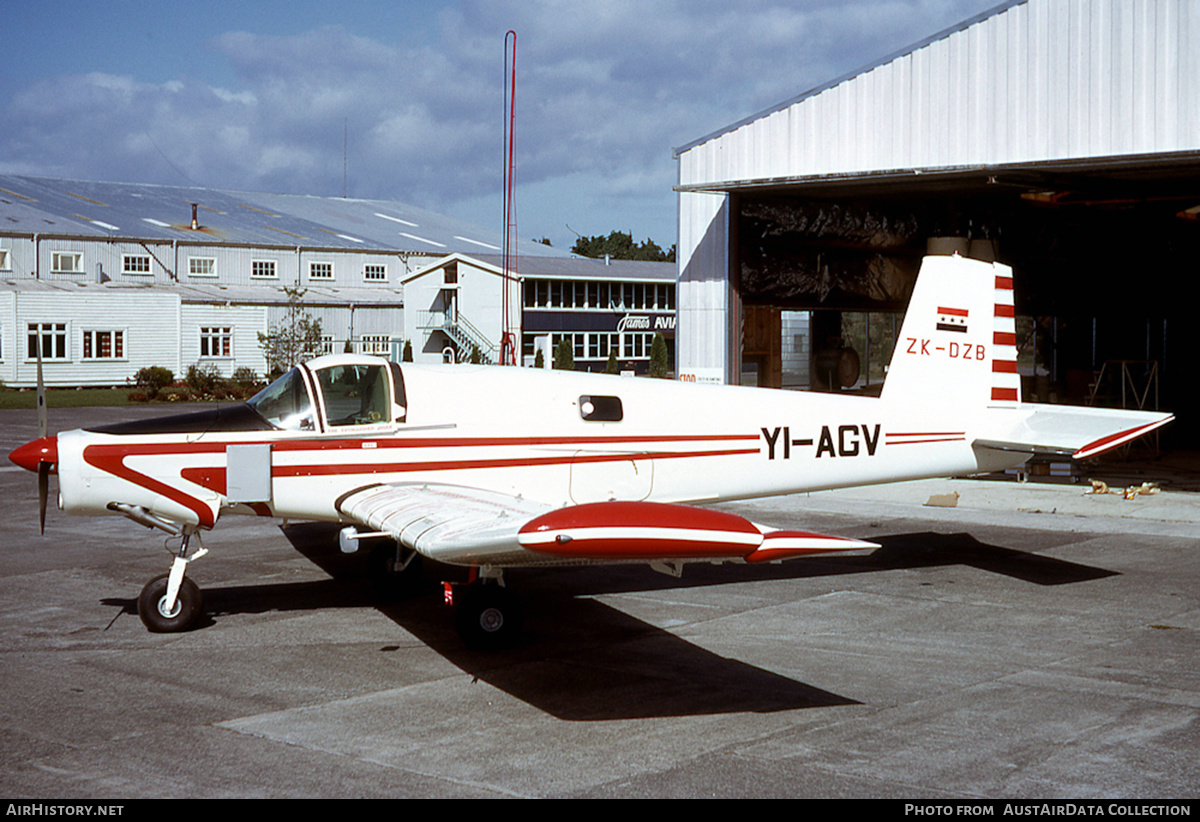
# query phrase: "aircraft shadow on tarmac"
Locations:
[[583, 660]]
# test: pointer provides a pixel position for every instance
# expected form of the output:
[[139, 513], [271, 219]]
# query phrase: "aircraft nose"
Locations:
[[31, 453]]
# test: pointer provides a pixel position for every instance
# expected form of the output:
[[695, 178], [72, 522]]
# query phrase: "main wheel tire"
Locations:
[[189, 604], [487, 616]]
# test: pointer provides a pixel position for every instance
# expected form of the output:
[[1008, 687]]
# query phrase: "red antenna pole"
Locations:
[[508, 353]]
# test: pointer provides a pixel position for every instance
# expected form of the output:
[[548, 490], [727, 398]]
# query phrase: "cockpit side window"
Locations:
[[355, 394], [285, 403]]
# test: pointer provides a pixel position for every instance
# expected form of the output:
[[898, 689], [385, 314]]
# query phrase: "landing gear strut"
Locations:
[[171, 603]]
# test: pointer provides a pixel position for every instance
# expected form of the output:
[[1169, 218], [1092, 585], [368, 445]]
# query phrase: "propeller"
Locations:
[[40, 455], [43, 467]]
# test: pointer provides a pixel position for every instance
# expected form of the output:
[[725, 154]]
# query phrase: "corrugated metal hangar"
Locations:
[[1061, 137]]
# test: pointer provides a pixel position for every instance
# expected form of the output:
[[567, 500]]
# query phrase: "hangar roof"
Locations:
[[1055, 85], [85, 208]]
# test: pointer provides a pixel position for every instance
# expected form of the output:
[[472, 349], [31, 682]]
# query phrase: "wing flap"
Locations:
[[466, 526]]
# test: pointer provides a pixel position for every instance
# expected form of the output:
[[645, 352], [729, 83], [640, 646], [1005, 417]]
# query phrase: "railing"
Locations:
[[464, 334]]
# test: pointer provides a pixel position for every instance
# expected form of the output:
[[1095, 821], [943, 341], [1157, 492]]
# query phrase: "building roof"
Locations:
[[92, 209], [314, 296]]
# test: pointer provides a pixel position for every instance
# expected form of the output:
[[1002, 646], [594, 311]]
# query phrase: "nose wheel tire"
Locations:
[[486, 616], [189, 604]]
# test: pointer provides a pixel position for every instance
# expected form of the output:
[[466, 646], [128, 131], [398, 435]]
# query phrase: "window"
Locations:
[[380, 344], [216, 341], [375, 273], [5, 260], [450, 274], [202, 266], [262, 268], [601, 409], [52, 338], [66, 262], [355, 394], [320, 271], [135, 264], [319, 347], [103, 345]]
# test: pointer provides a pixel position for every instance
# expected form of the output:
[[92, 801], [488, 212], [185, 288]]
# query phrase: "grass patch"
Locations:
[[65, 398]]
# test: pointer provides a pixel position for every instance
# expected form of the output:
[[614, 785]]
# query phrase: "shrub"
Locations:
[[205, 380], [153, 379]]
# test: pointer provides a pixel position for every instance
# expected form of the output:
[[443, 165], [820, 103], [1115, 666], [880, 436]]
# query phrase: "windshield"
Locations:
[[285, 403], [354, 394]]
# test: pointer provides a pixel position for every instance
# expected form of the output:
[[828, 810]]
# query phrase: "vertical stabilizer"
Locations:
[[957, 346]]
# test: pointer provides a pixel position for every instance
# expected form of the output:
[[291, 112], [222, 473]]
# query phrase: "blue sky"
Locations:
[[274, 96]]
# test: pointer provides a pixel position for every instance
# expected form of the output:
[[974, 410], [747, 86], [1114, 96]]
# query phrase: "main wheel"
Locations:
[[486, 616], [189, 604]]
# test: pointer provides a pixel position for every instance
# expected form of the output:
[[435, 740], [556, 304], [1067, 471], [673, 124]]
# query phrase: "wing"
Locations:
[[470, 526], [1073, 431]]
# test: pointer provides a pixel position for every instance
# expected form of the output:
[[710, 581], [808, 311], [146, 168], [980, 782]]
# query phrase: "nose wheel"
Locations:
[[160, 616]]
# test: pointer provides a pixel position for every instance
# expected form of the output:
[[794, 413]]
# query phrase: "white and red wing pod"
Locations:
[[651, 530], [640, 531], [779, 545]]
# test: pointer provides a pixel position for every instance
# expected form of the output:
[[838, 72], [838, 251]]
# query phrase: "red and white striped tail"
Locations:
[[1006, 382]]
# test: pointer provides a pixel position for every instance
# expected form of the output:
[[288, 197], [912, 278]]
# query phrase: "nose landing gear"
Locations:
[[171, 602]]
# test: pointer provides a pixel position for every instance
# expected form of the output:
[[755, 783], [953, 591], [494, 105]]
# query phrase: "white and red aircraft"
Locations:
[[496, 468]]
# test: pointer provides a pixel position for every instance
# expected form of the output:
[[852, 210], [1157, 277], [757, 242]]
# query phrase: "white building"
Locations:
[[455, 304], [114, 277]]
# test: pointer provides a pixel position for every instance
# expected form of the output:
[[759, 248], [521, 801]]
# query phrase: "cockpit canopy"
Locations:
[[330, 393]]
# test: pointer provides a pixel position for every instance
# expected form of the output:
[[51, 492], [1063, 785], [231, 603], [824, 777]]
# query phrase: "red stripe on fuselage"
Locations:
[[110, 457]]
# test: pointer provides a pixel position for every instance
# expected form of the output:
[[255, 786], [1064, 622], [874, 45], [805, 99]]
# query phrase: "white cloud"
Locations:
[[605, 91]]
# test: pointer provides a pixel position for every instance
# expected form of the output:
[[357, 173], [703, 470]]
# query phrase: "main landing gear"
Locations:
[[486, 615], [171, 602]]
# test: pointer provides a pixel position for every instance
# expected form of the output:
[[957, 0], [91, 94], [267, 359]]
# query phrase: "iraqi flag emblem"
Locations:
[[952, 319]]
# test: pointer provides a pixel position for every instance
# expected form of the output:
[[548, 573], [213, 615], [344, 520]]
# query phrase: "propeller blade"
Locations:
[[43, 468], [43, 492], [41, 392]]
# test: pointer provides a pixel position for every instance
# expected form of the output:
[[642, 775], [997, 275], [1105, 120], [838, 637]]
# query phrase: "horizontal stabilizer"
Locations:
[[1072, 431]]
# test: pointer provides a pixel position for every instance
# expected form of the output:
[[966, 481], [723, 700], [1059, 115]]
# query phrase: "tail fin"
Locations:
[[958, 344]]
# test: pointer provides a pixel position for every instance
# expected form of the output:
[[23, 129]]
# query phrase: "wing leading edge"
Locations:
[[470, 526]]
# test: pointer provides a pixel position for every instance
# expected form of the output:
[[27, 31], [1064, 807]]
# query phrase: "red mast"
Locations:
[[508, 353]]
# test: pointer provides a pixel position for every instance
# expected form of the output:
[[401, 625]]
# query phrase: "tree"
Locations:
[[296, 337], [659, 364], [564, 356], [612, 366], [620, 246], [406, 356]]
